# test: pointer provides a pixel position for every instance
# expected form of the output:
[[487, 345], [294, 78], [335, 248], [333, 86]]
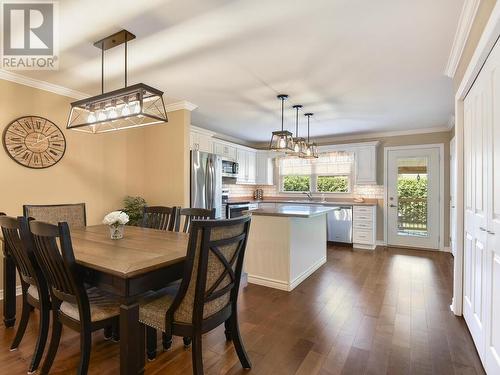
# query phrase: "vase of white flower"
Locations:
[[116, 221]]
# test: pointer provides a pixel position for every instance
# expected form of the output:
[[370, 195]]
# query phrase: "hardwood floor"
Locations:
[[380, 312]]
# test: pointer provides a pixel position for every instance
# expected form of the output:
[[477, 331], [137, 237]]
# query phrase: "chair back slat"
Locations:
[[159, 217], [24, 259], [187, 215], [73, 214], [214, 265], [53, 250]]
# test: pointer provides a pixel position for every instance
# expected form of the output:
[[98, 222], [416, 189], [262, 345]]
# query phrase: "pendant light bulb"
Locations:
[[136, 108], [112, 113], [101, 116], [125, 110], [308, 151], [296, 148], [91, 118], [282, 143]]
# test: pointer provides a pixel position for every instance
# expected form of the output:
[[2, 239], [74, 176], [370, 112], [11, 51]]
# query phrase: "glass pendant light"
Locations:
[[299, 143], [311, 149], [131, 106], [282, 140]]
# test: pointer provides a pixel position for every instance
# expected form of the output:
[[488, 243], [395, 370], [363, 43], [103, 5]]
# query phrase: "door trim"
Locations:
[[440, 146], [486, 43]]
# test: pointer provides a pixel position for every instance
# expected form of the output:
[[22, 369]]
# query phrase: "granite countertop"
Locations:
[[289, 210], [286, 200]]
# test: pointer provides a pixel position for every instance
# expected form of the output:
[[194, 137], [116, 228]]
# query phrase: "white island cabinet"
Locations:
[[287, 243]]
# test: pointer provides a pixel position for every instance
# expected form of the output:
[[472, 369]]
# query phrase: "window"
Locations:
[[333, 184], [296, 183], [330, 173]]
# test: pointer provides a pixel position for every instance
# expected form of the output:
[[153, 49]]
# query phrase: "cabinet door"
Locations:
[[193, 141], [205, 143], [366, 165], [251, 166], [241, 159], [218, 148], [264, 169]]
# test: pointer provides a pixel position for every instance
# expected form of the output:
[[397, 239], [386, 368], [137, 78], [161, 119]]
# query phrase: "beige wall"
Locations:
[[482, 16], [96, 169]]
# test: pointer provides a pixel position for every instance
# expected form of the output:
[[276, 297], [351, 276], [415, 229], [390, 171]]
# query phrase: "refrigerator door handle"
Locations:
[[208, 184]]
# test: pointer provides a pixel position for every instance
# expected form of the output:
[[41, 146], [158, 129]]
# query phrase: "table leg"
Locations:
[[9, 290], [131, 354]]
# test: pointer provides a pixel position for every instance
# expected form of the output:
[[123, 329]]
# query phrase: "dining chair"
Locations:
[[208, 293], [35, 293], [187, 215], [83, 310], [160, 217], [73, 214]]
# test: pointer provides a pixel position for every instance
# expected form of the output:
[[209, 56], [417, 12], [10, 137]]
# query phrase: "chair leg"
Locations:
[[54, 344], [197, 355], [237, 342], [166, 341], [116, 331], [42, 338], [227, 330], [108, 332], [85, 348], [151, 343], [25, 317], [187, 341]]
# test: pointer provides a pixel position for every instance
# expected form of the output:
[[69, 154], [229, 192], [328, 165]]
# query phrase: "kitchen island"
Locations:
[[287, 243]]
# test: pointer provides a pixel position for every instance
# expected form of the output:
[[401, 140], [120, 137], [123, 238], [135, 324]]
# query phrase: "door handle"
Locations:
[[482, 229], [392, 205], [490, 232]]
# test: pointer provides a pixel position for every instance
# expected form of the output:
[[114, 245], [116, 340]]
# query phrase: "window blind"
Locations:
[[338, 162]]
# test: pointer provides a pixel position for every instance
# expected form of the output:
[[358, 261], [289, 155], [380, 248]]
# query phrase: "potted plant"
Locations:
[[134, 207]]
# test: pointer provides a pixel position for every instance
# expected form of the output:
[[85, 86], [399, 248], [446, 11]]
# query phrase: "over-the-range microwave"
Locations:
[[229, 168]]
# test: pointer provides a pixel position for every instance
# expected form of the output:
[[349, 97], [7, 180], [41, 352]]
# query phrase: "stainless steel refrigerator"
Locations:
[[206, 181]]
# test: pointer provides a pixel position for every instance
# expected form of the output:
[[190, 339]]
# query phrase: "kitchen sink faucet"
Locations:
[[309, 195]]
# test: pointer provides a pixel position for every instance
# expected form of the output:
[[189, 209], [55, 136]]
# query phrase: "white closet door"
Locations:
[[492, 300], [475, 216]]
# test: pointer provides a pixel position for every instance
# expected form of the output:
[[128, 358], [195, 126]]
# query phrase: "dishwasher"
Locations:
[[340, 224]]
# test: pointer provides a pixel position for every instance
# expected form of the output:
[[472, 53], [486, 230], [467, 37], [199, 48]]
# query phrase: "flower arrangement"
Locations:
[[116, 221]]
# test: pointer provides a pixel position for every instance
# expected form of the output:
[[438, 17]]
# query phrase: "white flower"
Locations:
[[116, 218]]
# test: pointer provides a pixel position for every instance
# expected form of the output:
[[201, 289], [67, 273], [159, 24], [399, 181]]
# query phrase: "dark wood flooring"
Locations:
[[380, 312]]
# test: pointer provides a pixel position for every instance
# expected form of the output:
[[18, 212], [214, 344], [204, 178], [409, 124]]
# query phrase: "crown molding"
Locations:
[[465, 22], [42, 85], [183, 104], [64, 91]]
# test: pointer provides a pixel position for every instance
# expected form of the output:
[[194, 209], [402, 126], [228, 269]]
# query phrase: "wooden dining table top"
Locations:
[[141, 250]]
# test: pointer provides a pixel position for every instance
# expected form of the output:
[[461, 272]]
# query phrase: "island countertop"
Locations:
[[293, 210]]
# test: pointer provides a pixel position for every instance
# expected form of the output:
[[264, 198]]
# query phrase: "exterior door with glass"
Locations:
[[413, 189]]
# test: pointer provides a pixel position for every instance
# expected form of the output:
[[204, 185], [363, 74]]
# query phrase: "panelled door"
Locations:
[[453, 197], [492, 345], [475, 124], [482, 212]]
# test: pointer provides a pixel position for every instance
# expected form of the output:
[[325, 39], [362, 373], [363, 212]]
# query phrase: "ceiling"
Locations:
[[361, 66]]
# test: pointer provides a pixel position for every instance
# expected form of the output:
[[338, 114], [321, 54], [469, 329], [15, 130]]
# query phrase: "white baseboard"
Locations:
[[284, 285], [380, 243], [446, 249], [19, 291], [363, 247]]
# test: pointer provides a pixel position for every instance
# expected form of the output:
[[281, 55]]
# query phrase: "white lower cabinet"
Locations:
[[481, 280], [364, 227]]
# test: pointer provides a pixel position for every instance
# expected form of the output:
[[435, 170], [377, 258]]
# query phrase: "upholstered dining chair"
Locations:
[[33, 285], [83, 310], [208, 293], [187, 215], [73, 214], [160, 217]]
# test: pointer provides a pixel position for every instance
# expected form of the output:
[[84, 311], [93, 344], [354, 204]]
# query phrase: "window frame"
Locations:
[[314, 181]]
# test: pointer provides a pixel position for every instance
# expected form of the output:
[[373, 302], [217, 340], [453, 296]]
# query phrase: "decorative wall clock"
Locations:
[[34, 142]]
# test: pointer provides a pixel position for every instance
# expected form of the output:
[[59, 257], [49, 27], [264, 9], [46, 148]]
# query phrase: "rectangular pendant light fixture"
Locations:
[[125, 108], [281, 140]]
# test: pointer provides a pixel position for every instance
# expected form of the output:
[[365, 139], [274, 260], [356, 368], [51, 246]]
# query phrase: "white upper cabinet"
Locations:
[[366, 164], [201, 140], [246, 160], [225, 149], [264, 168]]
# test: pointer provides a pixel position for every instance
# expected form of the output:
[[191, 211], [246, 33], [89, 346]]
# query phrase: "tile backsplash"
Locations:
[[365, 191]]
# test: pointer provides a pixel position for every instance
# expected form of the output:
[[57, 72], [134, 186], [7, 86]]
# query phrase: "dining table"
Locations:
[[143, 260]]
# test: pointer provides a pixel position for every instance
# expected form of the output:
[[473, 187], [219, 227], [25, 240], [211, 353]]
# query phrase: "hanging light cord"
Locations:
[[297, 122], [282, 112]]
